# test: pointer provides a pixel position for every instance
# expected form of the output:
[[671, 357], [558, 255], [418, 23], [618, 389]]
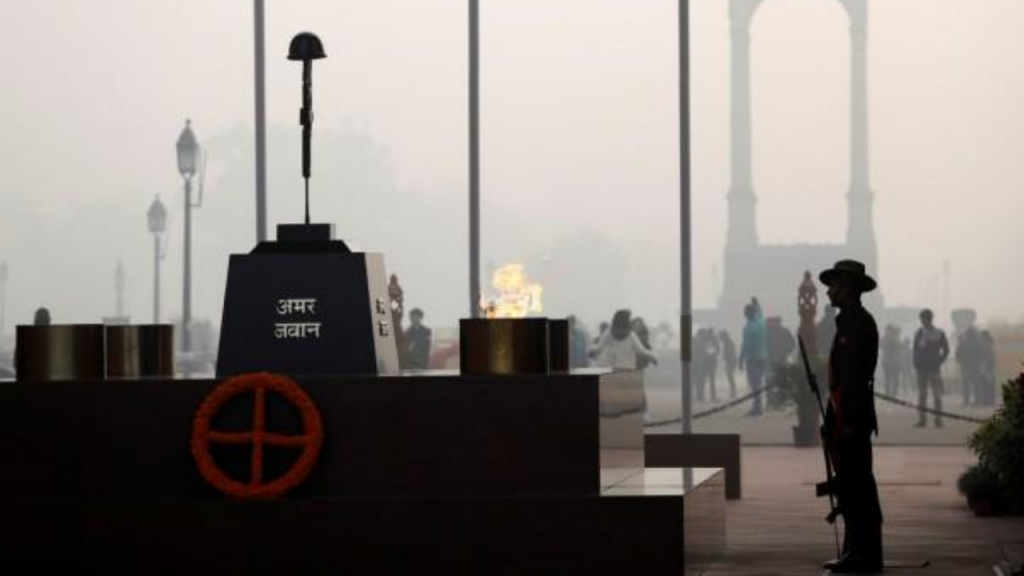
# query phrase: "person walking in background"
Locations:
[[968, 357], [891, 359], [753, 352], [619, 348], [728, 360], [593, 351], [930, 351], [41, 317], [417, 342], [907, 374], [709, 349], [639, 328], [780, 342], [662, 336], [697, 368], [578, 340], [987, 379]]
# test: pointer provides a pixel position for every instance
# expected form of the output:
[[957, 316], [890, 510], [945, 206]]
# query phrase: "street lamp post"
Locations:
[[188, 161], [156, 217], [3, 301], [119, 290]]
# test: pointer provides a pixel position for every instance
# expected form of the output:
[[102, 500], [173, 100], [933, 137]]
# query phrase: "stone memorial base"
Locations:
[[651, 524], [696, 450], [426, 474]]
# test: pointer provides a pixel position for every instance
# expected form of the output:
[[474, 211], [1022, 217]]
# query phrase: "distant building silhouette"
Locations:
[[771, 270]]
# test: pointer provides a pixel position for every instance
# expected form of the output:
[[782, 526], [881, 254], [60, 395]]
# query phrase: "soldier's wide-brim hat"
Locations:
[[851, 270]]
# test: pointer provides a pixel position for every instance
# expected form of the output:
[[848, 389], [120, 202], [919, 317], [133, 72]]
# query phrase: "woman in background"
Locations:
[[619, 348]]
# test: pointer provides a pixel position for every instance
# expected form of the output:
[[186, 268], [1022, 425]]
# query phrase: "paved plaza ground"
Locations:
[[778, 528]]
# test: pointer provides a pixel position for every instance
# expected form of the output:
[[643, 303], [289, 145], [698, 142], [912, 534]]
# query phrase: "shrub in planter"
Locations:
[[999, 444], [981, 487]]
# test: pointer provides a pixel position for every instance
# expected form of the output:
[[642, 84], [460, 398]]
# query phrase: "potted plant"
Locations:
[[981, 487], [999, 444]]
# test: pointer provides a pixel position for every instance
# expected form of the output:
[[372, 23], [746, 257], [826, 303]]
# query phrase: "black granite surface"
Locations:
[[658, 522], [404, 436]]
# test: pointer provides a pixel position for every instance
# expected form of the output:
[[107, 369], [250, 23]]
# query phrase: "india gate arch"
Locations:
[[773, 272]]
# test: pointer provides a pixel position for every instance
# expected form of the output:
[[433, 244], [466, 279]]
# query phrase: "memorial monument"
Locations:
[[325, 467], [306, 304]]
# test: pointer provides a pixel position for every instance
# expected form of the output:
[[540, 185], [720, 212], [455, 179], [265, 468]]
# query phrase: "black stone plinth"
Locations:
[[420, 475], [658, 522], [698, 450], [403, 436], [307, 308], [305, 232]]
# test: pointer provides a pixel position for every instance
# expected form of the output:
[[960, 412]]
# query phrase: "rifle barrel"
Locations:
[[812, 381]]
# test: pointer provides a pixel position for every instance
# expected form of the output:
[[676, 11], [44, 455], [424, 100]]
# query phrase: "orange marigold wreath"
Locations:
[[259, 384]]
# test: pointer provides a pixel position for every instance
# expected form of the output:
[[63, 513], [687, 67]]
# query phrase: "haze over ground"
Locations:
[[579, 144]]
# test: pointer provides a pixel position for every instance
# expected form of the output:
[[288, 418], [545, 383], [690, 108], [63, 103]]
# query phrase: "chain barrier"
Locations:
[[950, 415], [742, 399], [713, 410]]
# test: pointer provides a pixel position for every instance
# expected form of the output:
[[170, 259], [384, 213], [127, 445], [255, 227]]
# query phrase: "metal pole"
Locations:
[[261, 124], [3, 301], [685, 295], [119, 289], [946, 310], [156, 278], [474, 158], [186, 307]]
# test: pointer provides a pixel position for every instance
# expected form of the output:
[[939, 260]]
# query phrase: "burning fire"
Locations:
[[516, 298]]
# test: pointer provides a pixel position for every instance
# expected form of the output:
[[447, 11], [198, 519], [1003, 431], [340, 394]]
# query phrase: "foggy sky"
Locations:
[[580, 144]]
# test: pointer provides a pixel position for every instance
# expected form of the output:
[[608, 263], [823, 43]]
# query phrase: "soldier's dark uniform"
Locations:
[[849, 424]]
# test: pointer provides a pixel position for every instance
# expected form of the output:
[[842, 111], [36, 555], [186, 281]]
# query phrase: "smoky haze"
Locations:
[[580, 145]]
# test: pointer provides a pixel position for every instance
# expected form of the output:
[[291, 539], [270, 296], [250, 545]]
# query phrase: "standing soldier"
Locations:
[[930, 351], [851, 419]]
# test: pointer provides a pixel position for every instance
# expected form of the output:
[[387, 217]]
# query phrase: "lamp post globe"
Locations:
[[156, 217], [188, 151]]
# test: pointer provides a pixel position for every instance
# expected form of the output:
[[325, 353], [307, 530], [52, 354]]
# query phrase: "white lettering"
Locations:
[[297, 330], [287, 306]]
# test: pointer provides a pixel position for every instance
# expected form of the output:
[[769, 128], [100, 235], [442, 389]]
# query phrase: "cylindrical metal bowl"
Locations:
[[558, 345], [60, 352], [140, 351], [503, 345]]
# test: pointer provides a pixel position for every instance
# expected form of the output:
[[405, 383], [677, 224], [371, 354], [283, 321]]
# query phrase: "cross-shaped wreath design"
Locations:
[[259, 437]]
